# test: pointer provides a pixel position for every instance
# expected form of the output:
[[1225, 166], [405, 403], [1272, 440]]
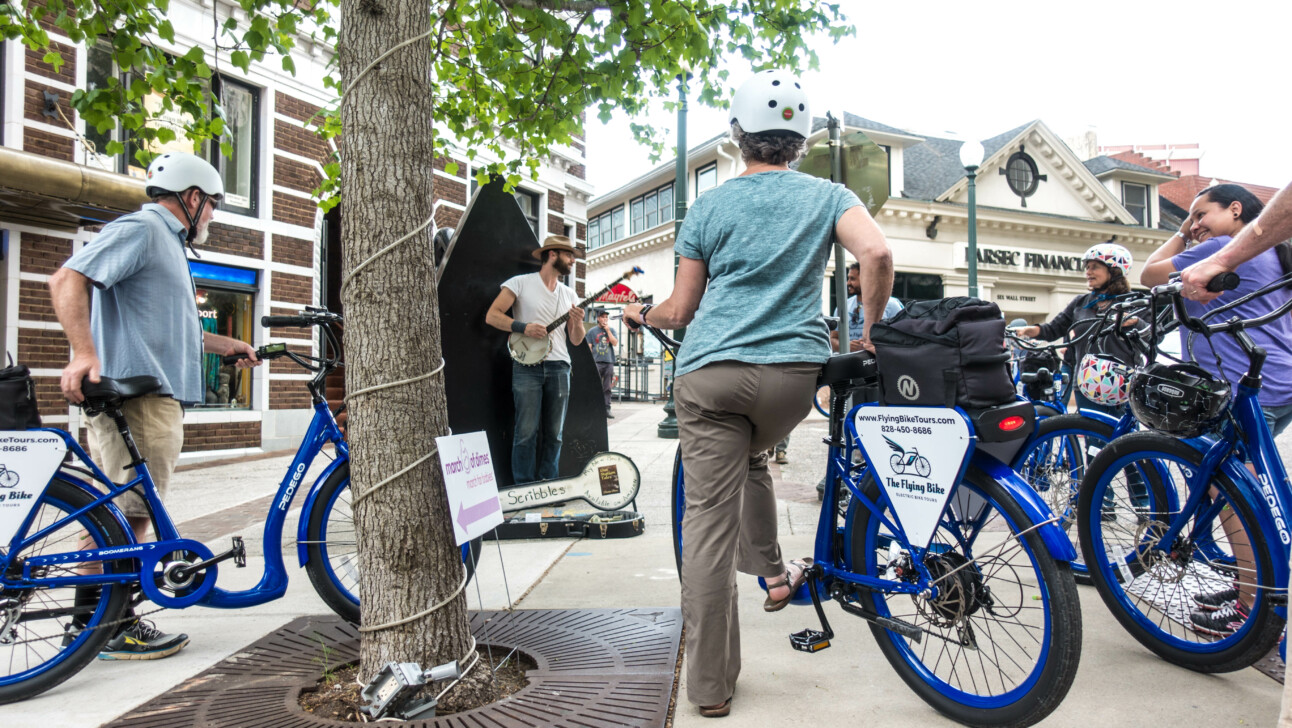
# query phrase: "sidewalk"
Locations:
[[1119, 682]]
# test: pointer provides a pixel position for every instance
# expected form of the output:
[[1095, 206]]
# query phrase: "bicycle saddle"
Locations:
[[845, 367], [108, 392]]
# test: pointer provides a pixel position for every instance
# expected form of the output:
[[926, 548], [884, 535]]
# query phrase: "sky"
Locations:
[[1133, 71]]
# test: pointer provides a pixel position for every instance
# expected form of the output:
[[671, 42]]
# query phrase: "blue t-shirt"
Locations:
[[1275, 337], [765, 239], [144, 307], [857, 319]]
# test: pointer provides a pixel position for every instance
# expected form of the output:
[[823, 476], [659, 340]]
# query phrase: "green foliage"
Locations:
[[513, 78]]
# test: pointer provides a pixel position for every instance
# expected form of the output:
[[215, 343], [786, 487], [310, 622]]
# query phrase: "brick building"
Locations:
[[270, 251]]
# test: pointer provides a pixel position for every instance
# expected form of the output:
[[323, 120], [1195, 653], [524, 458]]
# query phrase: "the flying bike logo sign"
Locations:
[[908, 387], [30, 461], [916, 454]]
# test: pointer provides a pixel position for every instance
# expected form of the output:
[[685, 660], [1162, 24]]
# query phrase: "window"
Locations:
[[909, 287], [1135, 199], [528, 202], [239, 106], [706, 178], [1022, 175], [226, 303], [606, 228], [653, 208], [99, 69]]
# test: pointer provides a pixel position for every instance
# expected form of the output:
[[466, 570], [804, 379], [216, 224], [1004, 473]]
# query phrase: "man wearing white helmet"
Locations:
[[144, 320], [1107, 266], [752, 253]]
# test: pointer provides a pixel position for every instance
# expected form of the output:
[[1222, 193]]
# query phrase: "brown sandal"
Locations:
[[721, 710], [772, 605]]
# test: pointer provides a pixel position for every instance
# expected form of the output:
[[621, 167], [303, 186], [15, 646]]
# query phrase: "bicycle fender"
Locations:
[[1098, 416], [1055, 540], [96, 493], [1269, 516], [302, 524]]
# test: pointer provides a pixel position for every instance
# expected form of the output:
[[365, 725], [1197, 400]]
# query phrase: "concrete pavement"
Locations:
[[1119, 682]]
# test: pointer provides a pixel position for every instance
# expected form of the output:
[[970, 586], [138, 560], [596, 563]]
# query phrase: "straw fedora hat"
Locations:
[[557, 242]]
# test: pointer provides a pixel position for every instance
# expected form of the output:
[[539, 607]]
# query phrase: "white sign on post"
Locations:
[[916, 453], [470, 483], [28, 460]]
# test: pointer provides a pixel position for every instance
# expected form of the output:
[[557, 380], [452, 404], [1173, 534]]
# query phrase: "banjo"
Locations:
[[529, 351]]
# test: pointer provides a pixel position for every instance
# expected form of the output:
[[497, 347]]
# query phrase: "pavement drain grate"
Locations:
[[596, 667]]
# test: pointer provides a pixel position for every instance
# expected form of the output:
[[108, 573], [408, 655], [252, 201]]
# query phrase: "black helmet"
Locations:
[[1183, 400]]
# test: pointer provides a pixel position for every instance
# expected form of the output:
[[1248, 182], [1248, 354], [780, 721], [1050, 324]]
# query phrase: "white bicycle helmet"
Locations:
[[1104, 380], [1111, 255], [178, 171], [772, 101]]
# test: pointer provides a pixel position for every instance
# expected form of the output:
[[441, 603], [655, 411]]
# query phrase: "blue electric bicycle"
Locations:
[[1213, 525], [69, 562], [962, 574]]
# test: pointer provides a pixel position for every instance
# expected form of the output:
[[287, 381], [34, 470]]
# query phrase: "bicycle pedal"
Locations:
[[809, 640], [239, 553]]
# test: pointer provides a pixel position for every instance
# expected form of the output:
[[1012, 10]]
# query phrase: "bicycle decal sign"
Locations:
[[916, 454], [28, 460], [471, 485]]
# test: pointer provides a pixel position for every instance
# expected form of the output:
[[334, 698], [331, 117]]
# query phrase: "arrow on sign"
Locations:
[[483, 509]]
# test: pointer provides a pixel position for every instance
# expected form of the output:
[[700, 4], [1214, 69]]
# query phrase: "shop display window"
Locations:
[[226, 301]]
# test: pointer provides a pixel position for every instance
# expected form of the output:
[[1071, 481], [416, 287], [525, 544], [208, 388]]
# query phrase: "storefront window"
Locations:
[[226, 303]]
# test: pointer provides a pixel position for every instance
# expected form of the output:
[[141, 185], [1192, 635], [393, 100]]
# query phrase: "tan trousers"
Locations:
[[728, 415], [157, 424]]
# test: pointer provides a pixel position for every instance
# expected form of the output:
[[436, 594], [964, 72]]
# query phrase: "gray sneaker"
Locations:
[[142, 641]]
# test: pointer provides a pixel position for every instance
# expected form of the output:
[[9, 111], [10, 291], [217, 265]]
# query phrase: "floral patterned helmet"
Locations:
[[1104, 380], [1111, 255]]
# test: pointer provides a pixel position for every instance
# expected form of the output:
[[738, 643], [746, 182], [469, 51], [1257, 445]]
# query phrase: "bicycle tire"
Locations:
[[332, 562], [995, 583], [824, 409], [1054, 463], [1144, 609], [678, 508], [56, 662]]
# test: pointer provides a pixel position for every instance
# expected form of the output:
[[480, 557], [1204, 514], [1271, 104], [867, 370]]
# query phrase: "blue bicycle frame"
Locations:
[[273, 582]]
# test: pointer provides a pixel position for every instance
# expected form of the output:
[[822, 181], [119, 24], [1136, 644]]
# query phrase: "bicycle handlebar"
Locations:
[[311, 317], [264, 353]]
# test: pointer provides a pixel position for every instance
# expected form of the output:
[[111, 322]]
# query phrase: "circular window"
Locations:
[[1021, 174]]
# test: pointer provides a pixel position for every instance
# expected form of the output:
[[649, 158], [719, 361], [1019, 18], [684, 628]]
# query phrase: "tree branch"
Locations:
[[578, 6]]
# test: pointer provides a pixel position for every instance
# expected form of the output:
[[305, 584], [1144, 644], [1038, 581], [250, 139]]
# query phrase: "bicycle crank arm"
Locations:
[[238, 553]]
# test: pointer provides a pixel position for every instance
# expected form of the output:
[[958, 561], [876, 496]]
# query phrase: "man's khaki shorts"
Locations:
[[157, 424]]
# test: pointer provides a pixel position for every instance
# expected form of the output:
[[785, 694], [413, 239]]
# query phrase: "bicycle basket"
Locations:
[[1104, 380], [1183, 400]]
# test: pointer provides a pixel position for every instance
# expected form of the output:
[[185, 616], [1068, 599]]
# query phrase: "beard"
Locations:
[[561, 266], [203, 231]]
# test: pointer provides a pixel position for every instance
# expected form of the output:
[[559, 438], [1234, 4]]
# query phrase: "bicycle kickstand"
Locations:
[[811, 640]]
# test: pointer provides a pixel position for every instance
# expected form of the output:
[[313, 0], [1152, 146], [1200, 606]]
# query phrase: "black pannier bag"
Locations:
[[17, 399], [946, 352]]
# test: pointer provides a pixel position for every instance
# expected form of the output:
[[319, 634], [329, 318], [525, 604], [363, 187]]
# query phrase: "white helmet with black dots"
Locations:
[[770, 102]]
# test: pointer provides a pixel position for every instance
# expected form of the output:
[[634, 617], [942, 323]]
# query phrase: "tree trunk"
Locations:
[[409, 561]]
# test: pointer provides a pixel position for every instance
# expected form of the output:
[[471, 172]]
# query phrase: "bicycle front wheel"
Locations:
[[333, 557], [1002, 639], [48, 635], [1149, 579], [678, 508]]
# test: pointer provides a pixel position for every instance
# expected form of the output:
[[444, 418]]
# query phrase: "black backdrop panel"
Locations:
[[493, 243]]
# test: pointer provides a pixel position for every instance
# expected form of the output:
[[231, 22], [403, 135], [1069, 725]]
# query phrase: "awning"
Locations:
[[40, 191]]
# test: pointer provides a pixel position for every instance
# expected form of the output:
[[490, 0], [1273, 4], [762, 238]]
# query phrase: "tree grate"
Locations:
[[596, 667]]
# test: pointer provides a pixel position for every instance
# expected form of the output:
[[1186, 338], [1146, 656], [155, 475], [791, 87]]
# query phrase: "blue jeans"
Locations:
[[540, 393], [1278, 418]]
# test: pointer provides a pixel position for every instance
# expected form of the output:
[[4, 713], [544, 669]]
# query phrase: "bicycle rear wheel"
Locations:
[[678, 508], [1002, 640], [1149, 584], [40, 646], [333, 557]]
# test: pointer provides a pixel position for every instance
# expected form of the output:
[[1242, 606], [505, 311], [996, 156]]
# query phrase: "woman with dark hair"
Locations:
[[752, 255], [1217, 214], [1106, 267]]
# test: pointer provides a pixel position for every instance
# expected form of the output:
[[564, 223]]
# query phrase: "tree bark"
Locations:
[[405, 539]]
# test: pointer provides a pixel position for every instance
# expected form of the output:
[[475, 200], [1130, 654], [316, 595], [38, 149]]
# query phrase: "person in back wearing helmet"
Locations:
[[752, 255], [1106, 268], [1216, 216], [127, 295]]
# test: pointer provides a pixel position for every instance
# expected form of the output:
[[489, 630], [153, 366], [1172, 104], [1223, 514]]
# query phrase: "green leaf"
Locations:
[[241, 60], [289, 65]]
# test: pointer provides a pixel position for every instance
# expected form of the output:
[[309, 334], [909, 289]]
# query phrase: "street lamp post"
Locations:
[[971, 154], [668, 427]]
